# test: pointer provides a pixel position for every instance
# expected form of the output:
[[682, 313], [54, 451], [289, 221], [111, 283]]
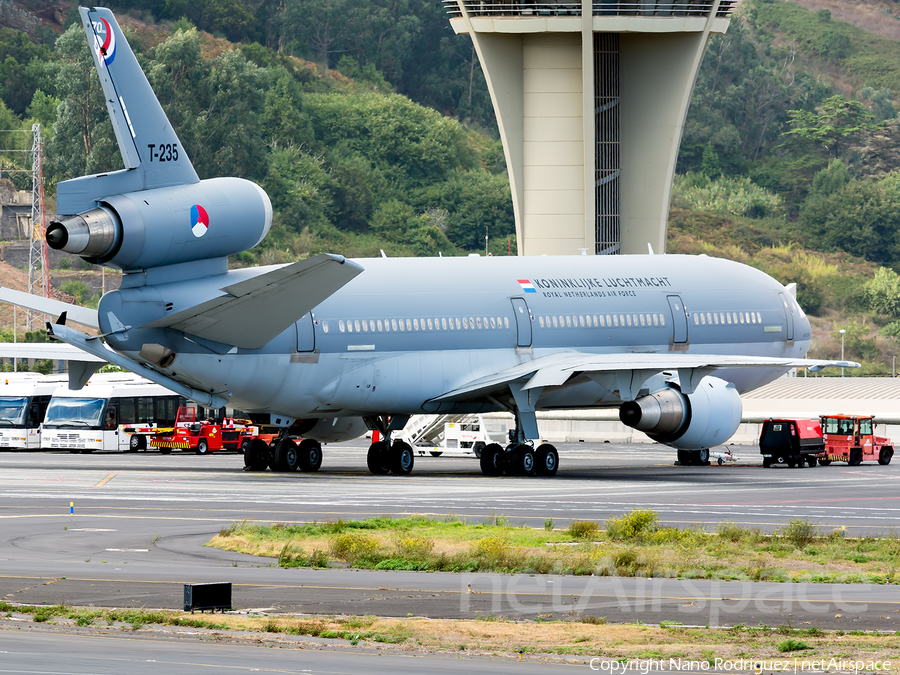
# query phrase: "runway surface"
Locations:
[[141, 520]]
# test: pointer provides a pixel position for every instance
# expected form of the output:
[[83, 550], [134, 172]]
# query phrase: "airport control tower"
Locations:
[[591, 99]]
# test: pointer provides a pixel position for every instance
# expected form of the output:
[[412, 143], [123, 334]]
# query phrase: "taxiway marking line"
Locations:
[[105, 480], [445, 592]]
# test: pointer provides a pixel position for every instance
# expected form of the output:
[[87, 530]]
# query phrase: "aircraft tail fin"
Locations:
[[152, 154]]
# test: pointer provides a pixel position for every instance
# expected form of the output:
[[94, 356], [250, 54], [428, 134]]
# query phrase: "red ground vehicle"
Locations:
[[791, 442], [201, 436], [851, 439]]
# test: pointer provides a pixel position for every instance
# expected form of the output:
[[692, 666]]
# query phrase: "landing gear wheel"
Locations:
[[703, 456], [684, 458], [811, 460], [376, 459], [478, 448], [546, 460], [884, 457], [767, 462], [401, 458], [855, 458], [256, 455], [202, 446], [490, 460], [287, 458], [136, 443], [523, 461], [310, 452]]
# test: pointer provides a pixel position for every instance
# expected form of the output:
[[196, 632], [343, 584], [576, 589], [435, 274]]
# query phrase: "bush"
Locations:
[[791, 645], [411, 546], [583, 529], [351, 547], [799, 532], [732, 532], [492, 552], [632, 525]]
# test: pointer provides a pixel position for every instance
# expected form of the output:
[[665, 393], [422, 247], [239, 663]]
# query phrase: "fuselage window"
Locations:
[[555, 323], [655, 319], [728, 317], [458, 324], [568, 321], [444, 323], [643, 320], [324, 326], [628, 318], [408, 324], [506, 322], [741, 317], [380, 325], [394, 325], [697, 319], [596, 321], [758, 317], [402, 327], [721, 318], [540, 321], [615, 320], [662, 319], [372, 325], [365, 326], [358, 327], [602, 321], [735, 317], [430, 325], [342, 326], [484, 321], [635, 317], [415, 324], [466, 322], [494, 322], [478, 321]]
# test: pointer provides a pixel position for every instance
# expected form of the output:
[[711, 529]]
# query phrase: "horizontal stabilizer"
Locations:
[[83, 315], [45, 350], [256, 310], [557, 369]]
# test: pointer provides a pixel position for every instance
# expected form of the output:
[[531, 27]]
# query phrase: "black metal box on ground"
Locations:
[[207, 596]]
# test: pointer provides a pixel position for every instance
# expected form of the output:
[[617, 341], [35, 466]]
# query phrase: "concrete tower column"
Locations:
[[591, 98]]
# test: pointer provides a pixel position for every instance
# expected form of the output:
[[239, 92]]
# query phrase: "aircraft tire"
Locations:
[[702, 456], [684, 458], [255, 458], [310, 452], [402, 458], [202, 447], [376, 458], [546, 460], [136, 443], [287, 458], [884, 456], [490, 460], [767, 462], [811, 460], [523, 461], [855, 458]]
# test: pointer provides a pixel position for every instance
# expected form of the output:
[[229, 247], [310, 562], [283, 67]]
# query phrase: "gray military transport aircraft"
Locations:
[[328, 347]]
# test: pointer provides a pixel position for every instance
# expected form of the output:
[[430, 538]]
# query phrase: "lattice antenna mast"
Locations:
[[37, 255]]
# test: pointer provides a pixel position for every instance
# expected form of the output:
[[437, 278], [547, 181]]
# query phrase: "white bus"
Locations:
[[23, 401], [102, 415]]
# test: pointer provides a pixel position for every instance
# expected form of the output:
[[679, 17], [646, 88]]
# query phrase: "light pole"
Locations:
[[842, 331]]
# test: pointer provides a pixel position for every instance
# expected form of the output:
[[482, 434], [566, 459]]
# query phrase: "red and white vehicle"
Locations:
[[202, 435], [851, 439]]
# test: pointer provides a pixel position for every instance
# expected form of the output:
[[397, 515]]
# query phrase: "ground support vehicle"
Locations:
[[851, 439], [200, 435], [97, 416], [792, 442], [24, 398], [457, 436]]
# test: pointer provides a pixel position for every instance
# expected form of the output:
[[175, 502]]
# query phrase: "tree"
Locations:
[[830, 128], [883, 293]]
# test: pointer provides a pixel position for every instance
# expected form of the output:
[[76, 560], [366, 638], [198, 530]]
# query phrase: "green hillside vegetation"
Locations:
[[369, 125]]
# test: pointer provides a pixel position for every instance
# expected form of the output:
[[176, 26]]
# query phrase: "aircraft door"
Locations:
[[788, 316], [523, 322], [679, 319], [306, 335]]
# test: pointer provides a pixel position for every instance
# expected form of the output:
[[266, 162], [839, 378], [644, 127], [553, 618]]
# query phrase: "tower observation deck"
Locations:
[[590, 99]]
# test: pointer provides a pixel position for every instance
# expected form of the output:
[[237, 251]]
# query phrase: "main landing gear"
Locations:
[[384, 456], [519, 460], [283, 454], [694, 457]]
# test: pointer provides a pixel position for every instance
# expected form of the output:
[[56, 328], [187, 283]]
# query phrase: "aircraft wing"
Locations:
[[252, 312], [626, 372], [83, 315], [54, 351]]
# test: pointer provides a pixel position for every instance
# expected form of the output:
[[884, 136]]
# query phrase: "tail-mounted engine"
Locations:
[[137, 230], [707, 417]]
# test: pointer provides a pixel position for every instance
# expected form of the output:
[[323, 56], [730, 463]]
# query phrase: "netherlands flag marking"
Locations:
[[527, 286]]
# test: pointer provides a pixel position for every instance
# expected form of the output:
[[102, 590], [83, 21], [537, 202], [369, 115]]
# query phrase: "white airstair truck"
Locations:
[[452, 435]]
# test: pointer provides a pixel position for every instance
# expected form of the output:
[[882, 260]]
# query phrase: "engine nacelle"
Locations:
[[707, 417], [334, 429], [137, 230]]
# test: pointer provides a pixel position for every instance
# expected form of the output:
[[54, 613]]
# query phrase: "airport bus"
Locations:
[[102, 415], [23, 401]]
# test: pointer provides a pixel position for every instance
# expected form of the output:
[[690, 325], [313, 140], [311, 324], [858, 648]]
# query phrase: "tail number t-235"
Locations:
[[168, 152]]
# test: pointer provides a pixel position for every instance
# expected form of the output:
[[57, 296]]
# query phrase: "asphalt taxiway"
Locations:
[[141, 520]]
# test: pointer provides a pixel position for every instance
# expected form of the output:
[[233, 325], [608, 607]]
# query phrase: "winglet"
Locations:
[[152, 154]]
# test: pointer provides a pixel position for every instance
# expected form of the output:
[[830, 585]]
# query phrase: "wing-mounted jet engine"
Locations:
[[708, 416]]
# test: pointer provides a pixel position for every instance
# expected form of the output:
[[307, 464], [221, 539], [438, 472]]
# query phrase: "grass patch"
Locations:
[[634, 544]]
